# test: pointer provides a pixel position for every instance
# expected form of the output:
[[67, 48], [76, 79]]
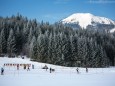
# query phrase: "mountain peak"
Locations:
[[85, 19]]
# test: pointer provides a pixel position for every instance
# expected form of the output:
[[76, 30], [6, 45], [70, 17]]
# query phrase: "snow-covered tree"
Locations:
[[2, 42], [11, 46]]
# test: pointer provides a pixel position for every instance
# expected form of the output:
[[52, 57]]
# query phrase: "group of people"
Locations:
[[78, 70], [50, 69], [26, 67]]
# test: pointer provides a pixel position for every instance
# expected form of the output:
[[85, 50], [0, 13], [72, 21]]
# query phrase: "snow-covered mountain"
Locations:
[[87, 20]]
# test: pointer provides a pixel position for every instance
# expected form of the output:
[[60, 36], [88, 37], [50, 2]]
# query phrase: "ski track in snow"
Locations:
[[63, 76]]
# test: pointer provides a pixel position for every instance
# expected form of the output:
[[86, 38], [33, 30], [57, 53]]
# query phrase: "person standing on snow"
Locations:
[[77, 70], [17, 66], [86, 70], [50, 69], [28, 69], [32, 66], [2, 71], [24, 66]]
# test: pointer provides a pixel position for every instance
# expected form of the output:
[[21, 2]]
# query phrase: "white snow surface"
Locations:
[[63, 76], [85, 19]]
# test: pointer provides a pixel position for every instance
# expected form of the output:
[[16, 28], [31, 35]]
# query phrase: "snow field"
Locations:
[[63, 76]]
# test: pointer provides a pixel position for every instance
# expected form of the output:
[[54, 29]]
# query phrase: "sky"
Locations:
[[55, 10]]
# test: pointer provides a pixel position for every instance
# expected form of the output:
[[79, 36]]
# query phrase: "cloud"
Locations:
[[61, 1], [102, 1]]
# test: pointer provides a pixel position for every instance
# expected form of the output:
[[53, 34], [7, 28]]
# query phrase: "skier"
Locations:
[[86, 70], [17, 66], [46, 67], [2, 71], [50, 69], [28, 69], [32, 66], [24, 66], [77, 70]]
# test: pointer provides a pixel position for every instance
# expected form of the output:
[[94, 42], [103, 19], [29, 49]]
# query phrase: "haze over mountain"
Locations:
[[88, 20]]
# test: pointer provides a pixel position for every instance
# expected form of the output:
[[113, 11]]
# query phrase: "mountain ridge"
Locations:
[[87, 19]]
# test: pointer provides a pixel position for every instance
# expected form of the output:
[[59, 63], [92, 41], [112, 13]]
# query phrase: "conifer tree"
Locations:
[[11, 46]]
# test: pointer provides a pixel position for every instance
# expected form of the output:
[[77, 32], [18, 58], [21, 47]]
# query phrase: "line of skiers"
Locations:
[[26, 66], [78, 70], [45, 67]]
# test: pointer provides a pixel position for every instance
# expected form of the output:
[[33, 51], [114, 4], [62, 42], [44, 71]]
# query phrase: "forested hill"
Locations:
[[56, 44]]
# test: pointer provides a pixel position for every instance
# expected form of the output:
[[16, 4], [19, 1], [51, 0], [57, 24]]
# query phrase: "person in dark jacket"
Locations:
[[32, 66], [2, 71], [77, 70], [86, 70], [28, 69], [50, 69], [24, 66], [17, 66]]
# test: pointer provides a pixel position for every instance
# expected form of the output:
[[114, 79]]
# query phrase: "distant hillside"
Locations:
[[56, 43]]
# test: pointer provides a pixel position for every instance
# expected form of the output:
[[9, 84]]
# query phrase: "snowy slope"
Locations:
[[112, 30], [63, 76], [85, 19], [7, 60]]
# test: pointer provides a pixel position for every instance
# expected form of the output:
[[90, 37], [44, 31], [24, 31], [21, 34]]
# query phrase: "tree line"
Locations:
[[56, 43]]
